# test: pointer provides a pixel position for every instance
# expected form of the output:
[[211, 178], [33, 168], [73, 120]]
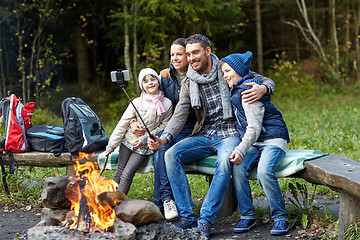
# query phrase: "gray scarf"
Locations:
[[215, 74]]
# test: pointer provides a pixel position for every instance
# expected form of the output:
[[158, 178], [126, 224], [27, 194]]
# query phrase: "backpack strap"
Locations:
[[4, 174], [11, 162]]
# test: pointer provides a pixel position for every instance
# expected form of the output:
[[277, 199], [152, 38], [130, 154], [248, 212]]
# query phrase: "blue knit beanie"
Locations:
[[240, 62]]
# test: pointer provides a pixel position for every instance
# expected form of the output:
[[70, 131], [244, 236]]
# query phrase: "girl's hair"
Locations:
[[179, 41]]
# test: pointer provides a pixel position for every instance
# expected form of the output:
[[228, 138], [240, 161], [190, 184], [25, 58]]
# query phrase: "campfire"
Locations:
[[89, 212], [87, 206]]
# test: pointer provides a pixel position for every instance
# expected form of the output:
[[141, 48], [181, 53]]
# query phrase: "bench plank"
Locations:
[[43, 159], [334, 171]]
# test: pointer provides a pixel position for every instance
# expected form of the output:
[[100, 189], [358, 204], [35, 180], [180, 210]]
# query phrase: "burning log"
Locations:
[[83, 191], [112, 198], [84, 218]]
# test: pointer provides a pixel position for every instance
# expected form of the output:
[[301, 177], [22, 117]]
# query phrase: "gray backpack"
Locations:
[[83, 131]]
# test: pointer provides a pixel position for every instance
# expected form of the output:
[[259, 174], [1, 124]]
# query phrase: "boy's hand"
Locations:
[[137, 129], [255, 93], [235, 158]]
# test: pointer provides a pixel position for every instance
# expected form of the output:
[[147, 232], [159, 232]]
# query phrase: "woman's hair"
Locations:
[[179, 41]]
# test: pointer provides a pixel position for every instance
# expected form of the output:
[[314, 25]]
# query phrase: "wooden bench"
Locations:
[[342, 175], [337, 172]]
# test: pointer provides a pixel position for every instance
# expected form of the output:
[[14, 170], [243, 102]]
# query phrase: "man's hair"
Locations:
[[179, 41], [199, 38]]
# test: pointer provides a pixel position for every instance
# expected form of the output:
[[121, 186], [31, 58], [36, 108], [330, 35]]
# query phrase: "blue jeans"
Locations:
[[268, 159], [192, 149], [162, 188]]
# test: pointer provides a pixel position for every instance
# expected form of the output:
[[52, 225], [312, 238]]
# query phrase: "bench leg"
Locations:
[[349, 212], [229, 205], [70, 170]]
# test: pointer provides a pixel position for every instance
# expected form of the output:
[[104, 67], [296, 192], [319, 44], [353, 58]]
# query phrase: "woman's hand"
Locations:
[[137, 143], [137, 129], [235, 158], [255, 93]]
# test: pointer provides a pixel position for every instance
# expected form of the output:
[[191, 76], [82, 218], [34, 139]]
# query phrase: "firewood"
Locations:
[[112, 198]]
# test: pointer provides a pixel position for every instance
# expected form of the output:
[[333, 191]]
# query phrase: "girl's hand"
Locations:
[[137, 129], [235, 158], [107, 153], [137, 143]]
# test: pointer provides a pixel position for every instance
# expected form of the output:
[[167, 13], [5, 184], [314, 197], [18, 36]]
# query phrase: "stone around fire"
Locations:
[[138, 212]]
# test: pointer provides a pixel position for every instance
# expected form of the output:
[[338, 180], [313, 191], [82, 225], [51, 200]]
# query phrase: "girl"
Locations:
[[155, 110]]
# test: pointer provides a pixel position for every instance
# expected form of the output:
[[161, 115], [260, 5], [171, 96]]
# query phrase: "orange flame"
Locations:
[[101, 216]]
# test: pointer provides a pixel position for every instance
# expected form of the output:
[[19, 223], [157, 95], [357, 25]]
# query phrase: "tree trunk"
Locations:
[[165, 43], [135, 50], [259, 52], [356, 42], [82, 60], [334, 36], [127, 39], [21, 58], [3, 81], [347, 37]]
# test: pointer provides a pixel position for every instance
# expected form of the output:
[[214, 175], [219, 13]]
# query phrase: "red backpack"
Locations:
[[17, 118]]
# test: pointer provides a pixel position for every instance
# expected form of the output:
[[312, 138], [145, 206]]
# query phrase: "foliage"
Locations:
[[302, 202], [353, 232], [218, 18], [27, 25], [25, 187]]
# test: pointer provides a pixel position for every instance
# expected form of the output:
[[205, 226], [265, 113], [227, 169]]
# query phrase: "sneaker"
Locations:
[[184, 224], [280, 227], [170, 210], [244, 225], [204, 228]]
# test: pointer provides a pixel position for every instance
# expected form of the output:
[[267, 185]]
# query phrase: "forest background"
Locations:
[[69, 47], [54, 49]]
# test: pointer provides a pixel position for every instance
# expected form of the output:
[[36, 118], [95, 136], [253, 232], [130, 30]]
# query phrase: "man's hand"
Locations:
[[137, 143], [235, 158], [255, 93], [155, 145], [137, 129]]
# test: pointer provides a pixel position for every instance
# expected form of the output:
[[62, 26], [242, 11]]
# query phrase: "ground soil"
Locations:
[[15, 222]]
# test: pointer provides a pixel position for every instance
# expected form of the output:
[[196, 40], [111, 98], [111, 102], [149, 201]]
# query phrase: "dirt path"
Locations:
[[15, 222]]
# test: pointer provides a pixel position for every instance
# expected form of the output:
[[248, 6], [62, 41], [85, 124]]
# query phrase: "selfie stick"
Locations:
[[150, 135]]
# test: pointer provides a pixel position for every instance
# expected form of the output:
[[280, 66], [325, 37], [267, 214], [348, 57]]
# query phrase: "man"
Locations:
[[206, 92]]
